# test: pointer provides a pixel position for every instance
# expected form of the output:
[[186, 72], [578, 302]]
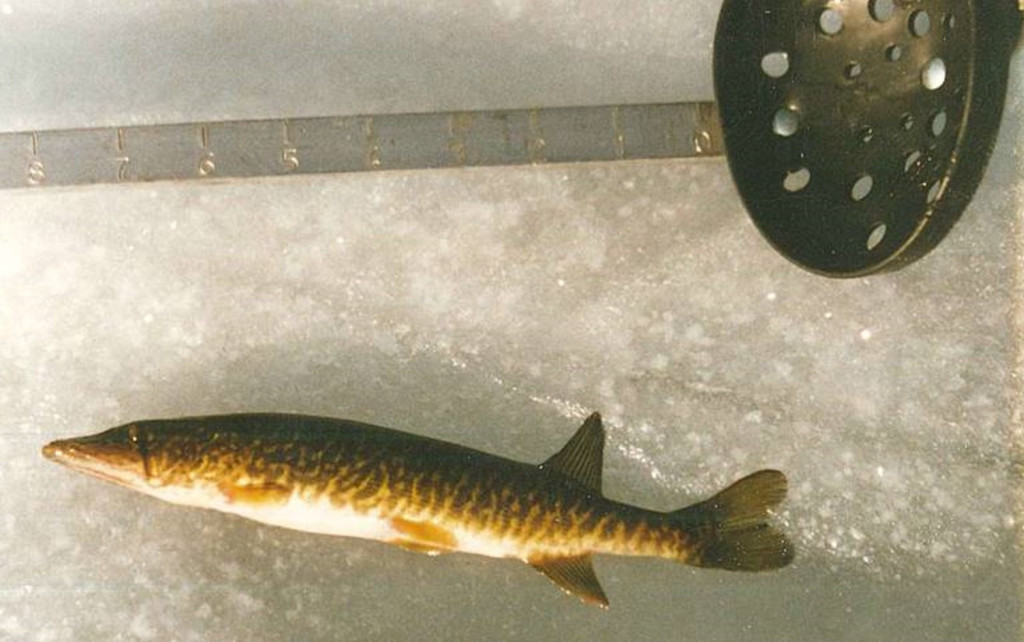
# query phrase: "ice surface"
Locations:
[[495, 308], [168, 61]]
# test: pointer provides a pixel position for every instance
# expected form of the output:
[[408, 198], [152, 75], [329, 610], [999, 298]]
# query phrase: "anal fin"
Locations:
[[423, 537], [575, 575]]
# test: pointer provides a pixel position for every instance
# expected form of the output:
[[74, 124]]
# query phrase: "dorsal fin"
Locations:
[[582, 458]]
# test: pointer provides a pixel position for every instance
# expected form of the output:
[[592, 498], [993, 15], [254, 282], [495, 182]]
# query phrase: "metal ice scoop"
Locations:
[[858, 130]]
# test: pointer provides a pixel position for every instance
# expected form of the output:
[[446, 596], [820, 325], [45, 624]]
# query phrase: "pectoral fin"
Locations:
[[422, 537], [254, 493], [575, 575]]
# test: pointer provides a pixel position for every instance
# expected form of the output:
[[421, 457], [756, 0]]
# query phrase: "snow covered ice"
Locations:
[[493, 308]]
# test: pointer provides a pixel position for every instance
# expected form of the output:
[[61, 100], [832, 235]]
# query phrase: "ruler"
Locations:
[[277, 147]]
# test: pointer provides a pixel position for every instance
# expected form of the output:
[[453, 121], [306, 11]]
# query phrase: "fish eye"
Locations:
[[138, 439]]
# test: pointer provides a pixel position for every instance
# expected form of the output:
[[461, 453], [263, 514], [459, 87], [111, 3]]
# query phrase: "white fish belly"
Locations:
[[487, 545], [297, 513], [321, 516], [318, 516]]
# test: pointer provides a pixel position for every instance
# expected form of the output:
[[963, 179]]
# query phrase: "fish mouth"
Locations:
[[113, 461]]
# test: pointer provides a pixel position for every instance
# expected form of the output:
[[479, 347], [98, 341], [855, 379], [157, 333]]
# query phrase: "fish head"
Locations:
[[142, 455], [188, 460], [119, 455]]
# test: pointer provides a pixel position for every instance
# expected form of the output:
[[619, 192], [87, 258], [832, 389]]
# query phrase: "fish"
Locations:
[[346, 478]]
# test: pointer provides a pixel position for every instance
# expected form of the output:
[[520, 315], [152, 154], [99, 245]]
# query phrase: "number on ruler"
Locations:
[[290, 158], [206, 164], [36, 172], [122, 168], [290, 154], [122, 160]]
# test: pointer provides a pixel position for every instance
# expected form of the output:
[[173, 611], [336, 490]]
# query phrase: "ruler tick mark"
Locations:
[[290, 153], [206, 164], [122, 158], [36, 169], [458, 125], [535, 144], [620, 138], [372, 154]]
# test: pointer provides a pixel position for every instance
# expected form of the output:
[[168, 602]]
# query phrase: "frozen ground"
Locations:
[[493, 308]]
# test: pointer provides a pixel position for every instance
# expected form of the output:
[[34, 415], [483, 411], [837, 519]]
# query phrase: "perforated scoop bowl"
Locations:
[[858, 130]]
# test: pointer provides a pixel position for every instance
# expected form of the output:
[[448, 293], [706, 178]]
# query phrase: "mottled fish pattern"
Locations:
[[346, 478]]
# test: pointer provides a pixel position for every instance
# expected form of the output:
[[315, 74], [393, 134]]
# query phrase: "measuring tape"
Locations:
[[276, 147]]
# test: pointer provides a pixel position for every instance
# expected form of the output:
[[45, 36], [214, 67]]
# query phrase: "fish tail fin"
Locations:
[[731, 530]]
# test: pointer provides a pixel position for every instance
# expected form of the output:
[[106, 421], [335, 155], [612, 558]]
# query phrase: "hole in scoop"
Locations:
[[920, 23], [907, 122], [893, 53], [933, 192], [933, 75], [785, 123], [876, 235], [830, 22], [862, 187], [910, 160], [881, 10], [938, 124], [853, 70], [775, 64], [796, 180]]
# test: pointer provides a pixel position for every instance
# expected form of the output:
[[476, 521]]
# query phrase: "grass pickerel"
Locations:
[[346, 478]]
